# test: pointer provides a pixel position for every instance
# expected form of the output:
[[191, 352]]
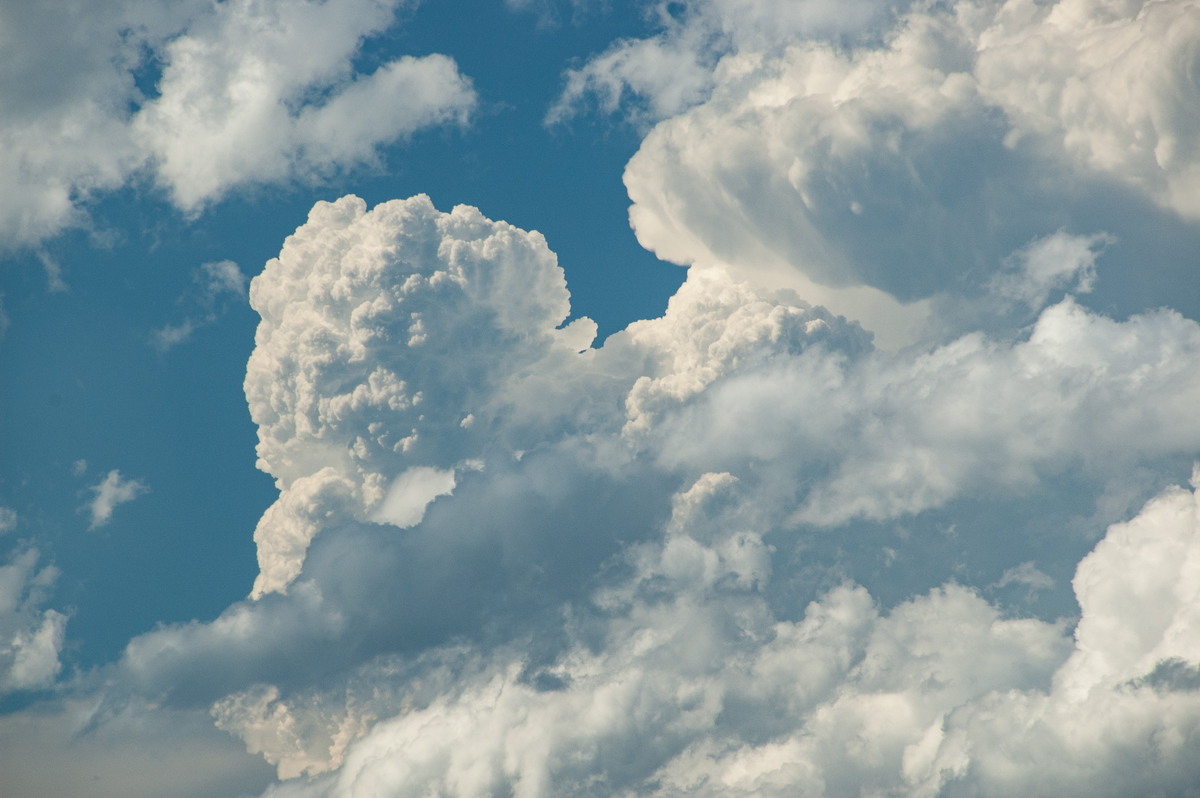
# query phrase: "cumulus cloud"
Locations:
[[658, 567], [360, 357], [916, 168], [235, 104], [743, 548], [690, 685], [31, 636], [111, 492], [203, 97]]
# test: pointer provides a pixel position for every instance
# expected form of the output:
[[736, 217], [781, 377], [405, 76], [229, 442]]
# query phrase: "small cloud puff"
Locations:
[[111, 492]]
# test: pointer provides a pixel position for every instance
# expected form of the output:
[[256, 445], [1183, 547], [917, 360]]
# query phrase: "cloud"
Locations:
[[31, 637], [79, 748], [203, 97], [216, 285], [111, 492], [361, 373], [8, 519], [743, 548], [657, 566], [691, 686], [914, 169], [235, 102], [657, 77], [1059, 261]]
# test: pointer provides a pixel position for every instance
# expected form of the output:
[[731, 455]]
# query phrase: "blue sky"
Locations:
[[764, 398]]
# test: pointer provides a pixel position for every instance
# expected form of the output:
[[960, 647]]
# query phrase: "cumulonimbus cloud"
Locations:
[[741, 549], [637, 584]]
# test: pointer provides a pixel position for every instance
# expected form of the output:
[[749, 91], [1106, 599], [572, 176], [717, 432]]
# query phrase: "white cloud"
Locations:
[[660, 76], [1059, 261], [238, 100], [736, 550], [235, 97], [8, 520], [915, 168], [360, 372], [410, 493], [111, 492], [30, 637], [653, 574], [695, 689]]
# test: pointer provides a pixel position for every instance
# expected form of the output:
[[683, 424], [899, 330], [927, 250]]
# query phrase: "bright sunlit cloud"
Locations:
[[898, 493]]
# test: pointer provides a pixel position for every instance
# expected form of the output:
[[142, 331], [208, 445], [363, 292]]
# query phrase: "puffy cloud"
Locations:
[[1110, 84], [740, 549], [30, 637], [68, 78], [914, 169], [624, 569], [235, 99], [110, 492], [387, 345], [204, 96], [660, 76], [1059, 261], [975, 414]]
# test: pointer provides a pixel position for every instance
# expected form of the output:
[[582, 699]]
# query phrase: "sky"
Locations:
[[599, 397]]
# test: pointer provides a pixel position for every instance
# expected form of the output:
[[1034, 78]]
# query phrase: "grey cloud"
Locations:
[[140, 752], [691, 686]]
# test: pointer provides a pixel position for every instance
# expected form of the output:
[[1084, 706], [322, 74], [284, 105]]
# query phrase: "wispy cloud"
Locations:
[[215, 287], [8, 519]]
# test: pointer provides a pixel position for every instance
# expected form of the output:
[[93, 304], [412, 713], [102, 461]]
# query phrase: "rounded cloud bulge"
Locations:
[[878, 178], [391, 340]]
